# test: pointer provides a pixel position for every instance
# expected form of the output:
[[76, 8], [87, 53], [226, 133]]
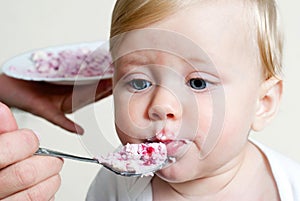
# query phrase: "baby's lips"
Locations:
[[165, 135], [177, 148]]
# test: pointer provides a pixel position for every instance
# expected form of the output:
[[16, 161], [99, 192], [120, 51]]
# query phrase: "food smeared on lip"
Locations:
[[141, 158]]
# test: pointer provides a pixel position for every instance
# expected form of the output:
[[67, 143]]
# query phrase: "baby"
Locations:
[[199, 76]]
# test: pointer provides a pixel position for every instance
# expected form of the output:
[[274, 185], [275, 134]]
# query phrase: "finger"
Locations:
[[104, 88], [104, 94], [28, 173], [16, 146], [65, 123], [59, 118], [86, 94], [44, 191], [7, 120]]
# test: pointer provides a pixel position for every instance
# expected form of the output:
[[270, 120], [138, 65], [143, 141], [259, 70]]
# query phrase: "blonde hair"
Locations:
[[129, 15], [269, 36]]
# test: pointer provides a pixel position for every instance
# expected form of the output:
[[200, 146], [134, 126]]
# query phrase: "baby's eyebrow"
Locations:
[[197, 60], [134, 60], [200, 63], [126, 63]]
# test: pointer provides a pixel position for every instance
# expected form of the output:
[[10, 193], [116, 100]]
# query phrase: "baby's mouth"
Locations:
[[176, 148]]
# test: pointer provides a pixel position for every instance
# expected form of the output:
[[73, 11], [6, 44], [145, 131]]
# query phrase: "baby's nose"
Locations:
[[164, 105], [159, 112]]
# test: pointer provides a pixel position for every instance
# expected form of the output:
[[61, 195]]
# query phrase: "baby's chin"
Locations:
[[181, 170], [174, 174]]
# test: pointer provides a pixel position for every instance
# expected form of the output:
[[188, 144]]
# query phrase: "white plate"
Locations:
[[23, 63]]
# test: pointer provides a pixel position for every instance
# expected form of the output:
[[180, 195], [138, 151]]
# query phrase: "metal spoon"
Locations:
[[48, 152]]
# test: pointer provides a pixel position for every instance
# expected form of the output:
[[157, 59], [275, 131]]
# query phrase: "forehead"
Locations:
[[148, 47], [145, 43], [218, 30], [212, 24]]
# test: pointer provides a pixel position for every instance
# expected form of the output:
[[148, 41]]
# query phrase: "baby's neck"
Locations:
[[245, 181]]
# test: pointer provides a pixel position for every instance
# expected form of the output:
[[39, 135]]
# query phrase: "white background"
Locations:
[[33, 24]]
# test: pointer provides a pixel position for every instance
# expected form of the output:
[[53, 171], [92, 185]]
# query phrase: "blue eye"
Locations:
[[197, 83], [140, 84]]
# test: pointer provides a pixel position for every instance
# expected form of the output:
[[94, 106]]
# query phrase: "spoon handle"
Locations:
[[48, 152]]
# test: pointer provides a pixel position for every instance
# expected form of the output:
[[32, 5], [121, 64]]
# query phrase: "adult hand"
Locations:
[[24, 176], [50, 101]]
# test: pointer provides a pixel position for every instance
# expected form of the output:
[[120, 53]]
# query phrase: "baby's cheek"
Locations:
[[124, 138], [137, 116], [130, 120], [211, 126], [233, 136], [206, 120]]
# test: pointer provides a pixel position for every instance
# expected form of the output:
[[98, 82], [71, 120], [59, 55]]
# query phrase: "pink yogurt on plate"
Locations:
[[69, 63]]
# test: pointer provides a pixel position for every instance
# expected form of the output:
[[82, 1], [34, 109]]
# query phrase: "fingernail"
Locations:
[[79, 130], [37, 135]]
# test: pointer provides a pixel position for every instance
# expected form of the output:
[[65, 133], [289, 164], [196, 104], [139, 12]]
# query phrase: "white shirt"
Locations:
[[109, 187], [286, 173]]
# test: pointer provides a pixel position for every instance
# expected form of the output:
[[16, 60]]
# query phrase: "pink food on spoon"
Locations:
[[137, 158]]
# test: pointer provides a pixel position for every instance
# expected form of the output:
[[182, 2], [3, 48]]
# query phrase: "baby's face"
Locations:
[[191, 76]]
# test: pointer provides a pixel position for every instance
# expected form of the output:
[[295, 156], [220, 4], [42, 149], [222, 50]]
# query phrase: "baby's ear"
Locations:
[[267, 103]]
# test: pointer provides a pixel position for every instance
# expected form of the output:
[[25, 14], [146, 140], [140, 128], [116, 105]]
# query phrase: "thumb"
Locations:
[[7, 120]]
